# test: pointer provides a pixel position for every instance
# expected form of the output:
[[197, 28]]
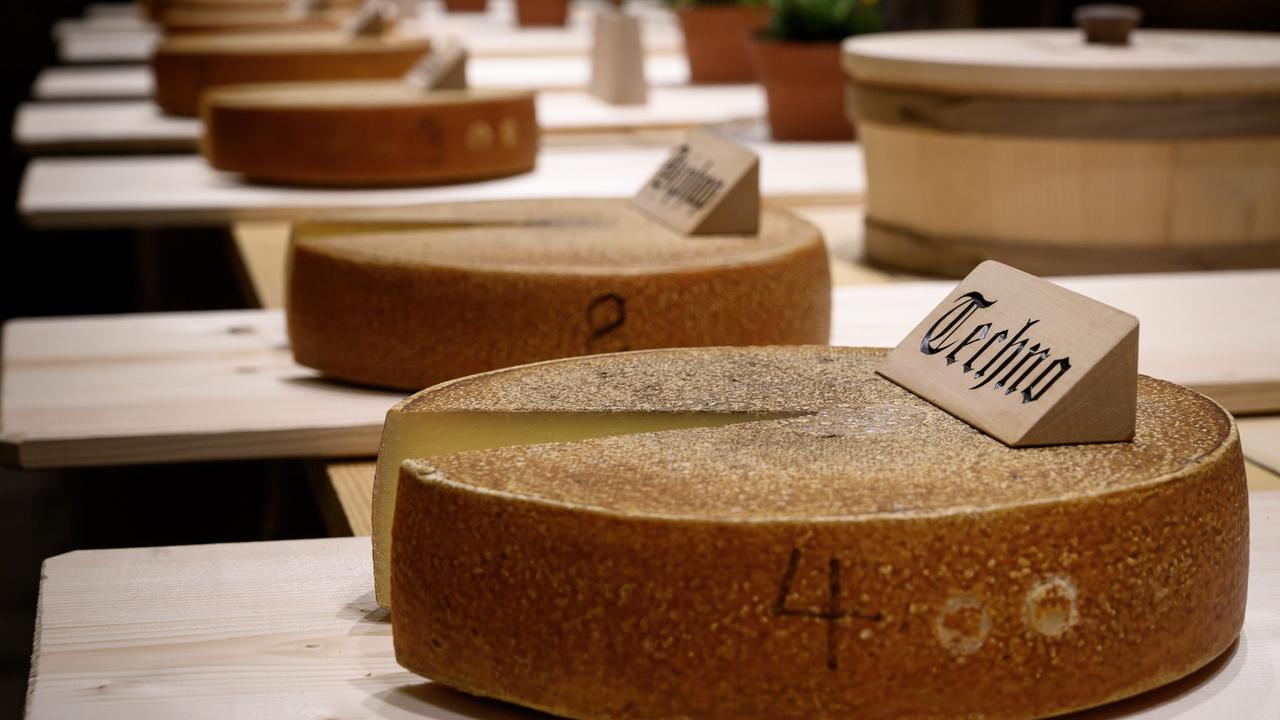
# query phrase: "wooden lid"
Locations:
[[1155, 63], [857, 445], [551, 237]]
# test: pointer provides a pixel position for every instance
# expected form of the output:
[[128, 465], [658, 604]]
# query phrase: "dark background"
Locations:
[[48, 513]]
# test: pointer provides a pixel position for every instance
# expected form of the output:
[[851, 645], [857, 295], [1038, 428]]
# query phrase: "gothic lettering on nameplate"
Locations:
[[708, 185], [1024, 360]]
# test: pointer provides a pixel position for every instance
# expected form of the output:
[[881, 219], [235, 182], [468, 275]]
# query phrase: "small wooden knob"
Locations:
[[1107, 24]]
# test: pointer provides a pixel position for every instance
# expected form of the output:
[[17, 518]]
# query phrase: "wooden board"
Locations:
[[172, 387], [134, 126], [205, 386], [491, 34], [1228, 311], [134, 82], [101, 193], [1261, 438], [290, 630]]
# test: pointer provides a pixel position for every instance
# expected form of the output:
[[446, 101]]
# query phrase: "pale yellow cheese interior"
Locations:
[[412, 435]]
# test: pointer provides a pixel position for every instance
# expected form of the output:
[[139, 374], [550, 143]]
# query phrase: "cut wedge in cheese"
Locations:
[[368, 133], [184, 67], [411, 297], [797, 538]]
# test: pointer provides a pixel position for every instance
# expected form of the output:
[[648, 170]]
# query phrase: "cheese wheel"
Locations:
[[180, 20], [368, 133], [408, 298], [869, 556], [184, 67]]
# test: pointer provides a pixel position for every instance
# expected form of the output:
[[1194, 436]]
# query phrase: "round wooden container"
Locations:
[[1057, 155], [184, 67]]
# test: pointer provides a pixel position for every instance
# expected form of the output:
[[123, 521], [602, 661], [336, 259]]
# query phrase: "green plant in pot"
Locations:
[[717, 37], [798, 61]]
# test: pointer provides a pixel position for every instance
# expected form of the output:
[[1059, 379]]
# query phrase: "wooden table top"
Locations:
[[134, 82], [138, 126], [490, 34], [179, 191], [219, 385], [291, 630]]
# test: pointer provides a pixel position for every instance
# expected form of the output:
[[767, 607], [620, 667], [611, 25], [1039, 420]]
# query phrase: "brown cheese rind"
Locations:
[[404, 304], [368, 133], [690, 573], [184, 67]]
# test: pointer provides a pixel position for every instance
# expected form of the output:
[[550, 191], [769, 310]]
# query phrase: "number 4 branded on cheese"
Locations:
[[1024, 360]]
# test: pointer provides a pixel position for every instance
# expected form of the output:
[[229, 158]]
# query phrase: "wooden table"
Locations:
[[491, 34], [290, 630], [134, 82], [178, 191], [136, 126], [223, 385]]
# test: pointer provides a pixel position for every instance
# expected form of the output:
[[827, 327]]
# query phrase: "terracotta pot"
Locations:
[[542, 12], [717, 40], [465, 6], [804, 87]]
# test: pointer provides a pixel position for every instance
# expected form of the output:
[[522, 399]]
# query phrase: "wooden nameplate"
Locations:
[[1024, 360], [185, 67], [375, 133], [708, 185]]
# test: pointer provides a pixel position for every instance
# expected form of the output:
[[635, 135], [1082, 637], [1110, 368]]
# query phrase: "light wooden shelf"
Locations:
[[182, 191], [138, 126], [291, 630], [219, 385]]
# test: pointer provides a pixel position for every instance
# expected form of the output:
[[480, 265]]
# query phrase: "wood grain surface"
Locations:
[[137, 126], [202, 386], [101, 193], [290, 630], [134, 82]]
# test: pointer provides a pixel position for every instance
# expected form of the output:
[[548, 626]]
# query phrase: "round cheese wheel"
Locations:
[[409, 298], [858, 554], [206, 21], [368, 133], [184, 67]]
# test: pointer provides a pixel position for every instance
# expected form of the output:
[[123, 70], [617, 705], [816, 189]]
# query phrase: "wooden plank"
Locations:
[[290, 630], [173, 387], [134, 126], [187, 386], [1194, 326], [491, 34], [134, 82], [102, 193], [1261, 439]]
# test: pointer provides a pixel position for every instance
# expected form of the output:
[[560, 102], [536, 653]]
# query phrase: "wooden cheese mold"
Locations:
[[185, 67], [411, 297], [368, 133], [1037, 149], [828, 545]]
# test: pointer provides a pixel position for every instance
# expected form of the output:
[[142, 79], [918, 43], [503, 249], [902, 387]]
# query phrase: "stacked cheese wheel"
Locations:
[[185, 67], [370, 133], [411, 297], [778, 532]]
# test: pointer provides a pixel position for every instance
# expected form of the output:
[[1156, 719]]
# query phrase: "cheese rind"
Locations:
[[871, 557], [184, 67], [368, 133], [413, 297]]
